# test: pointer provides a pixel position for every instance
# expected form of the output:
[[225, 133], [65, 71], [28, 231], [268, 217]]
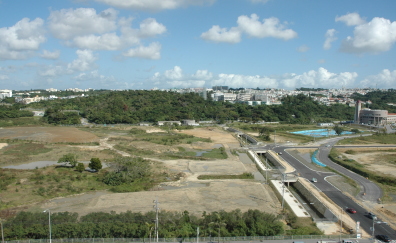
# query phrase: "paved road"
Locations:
[[373, 192]]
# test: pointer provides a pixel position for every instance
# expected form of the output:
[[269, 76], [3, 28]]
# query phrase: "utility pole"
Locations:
[[49, 224], [156, 218], [197, 234], [283, 191], [2, 232]]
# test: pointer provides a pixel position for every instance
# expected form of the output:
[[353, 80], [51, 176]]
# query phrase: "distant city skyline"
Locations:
[[156, 44]]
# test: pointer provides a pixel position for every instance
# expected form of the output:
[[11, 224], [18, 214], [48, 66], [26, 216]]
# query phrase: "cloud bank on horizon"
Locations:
[[145, 44]]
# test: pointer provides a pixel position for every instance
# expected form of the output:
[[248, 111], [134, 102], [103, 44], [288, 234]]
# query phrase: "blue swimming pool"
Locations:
[[320, 132]]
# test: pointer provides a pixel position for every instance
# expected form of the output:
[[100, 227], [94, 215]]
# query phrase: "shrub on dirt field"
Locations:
[[95, 164], [349, 151], [126, 170], [80, 167]]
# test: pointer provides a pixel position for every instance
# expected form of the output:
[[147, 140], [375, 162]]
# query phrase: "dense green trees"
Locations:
[[56, 117], [338, 129], [95, 164], [13, 111], [135, 106], [29, 225]]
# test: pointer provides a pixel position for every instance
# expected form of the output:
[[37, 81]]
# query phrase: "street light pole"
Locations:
[[2, 232], [49, 223], [156, 218]]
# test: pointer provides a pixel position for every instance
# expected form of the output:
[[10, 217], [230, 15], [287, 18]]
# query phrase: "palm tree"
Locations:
[[219, 223]]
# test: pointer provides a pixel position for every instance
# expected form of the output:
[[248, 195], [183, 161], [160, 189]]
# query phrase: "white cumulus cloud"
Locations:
[[320, 78], [251, 26], [270, 27], [150, 27], [68, 23], [329, 38], [217, 34], [19, 40], [84, 28], [153, 5], [384, 79], [50, 55], [152, 51], [376, 36], [108, 41], [94, 75], [85, 61], [351, 19]]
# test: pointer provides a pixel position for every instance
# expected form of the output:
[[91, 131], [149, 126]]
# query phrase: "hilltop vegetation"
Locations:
[[135, 106]]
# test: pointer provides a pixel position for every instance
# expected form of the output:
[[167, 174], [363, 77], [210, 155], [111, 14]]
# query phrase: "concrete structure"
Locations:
[[189, 123], [372, 117], [326, 124], [228, 97], [5, 93], [161, 123], [316, 202], [289, 198]]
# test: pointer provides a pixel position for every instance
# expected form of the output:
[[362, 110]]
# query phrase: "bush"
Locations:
[[80, 167], [95, 164]]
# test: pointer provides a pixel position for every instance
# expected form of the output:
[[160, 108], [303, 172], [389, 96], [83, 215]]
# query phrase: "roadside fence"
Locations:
[[189, 240]]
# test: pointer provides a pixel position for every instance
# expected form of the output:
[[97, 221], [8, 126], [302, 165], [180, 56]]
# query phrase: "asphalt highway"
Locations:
[[369, 190]]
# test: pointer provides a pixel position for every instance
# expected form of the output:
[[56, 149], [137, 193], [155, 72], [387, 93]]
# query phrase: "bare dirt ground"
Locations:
[[371, 160], [48, 134], [189, 193]]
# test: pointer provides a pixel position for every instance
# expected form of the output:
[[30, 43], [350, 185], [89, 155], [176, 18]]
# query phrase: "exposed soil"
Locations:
[[48, 134], [189, 193]]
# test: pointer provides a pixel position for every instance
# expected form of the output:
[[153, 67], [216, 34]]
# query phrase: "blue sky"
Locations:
[[147, 44]]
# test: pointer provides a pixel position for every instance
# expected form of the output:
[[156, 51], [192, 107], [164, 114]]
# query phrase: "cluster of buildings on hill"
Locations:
[[219, 93], [273, 96], [251, 97]]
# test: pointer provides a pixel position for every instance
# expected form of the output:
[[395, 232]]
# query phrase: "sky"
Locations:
[[164, 44]]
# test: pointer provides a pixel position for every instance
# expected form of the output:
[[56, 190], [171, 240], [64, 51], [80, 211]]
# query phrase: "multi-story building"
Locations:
[[372, 117]]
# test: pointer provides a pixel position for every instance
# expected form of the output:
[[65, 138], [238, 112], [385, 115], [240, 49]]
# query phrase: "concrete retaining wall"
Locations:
[[327, 213], [271, 156]]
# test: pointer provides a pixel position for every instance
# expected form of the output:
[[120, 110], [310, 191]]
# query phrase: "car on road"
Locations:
[[383, 238], [351, 210], [314, 180], [280, 153], [371, 216]]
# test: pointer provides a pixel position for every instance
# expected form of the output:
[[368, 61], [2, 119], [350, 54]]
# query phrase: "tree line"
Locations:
[[134, 106], [35, 225]]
